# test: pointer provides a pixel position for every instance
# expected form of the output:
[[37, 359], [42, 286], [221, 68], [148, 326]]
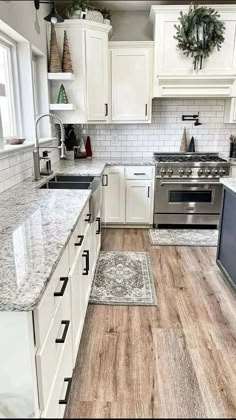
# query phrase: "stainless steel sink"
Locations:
[[71, 182], [58, 185]]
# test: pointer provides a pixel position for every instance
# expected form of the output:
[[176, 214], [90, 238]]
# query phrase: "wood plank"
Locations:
[[173, 360]]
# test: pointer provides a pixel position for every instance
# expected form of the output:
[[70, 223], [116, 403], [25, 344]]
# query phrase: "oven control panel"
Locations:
[[194, 172]]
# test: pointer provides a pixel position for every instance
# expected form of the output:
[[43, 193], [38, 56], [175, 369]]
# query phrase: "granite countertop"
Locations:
[[35, 227], [230, 183]]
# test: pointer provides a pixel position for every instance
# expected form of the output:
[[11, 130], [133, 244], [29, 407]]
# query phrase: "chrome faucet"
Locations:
[[36, 154]]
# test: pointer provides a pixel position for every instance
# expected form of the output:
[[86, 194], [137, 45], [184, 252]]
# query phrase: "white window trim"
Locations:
[[14, 83]]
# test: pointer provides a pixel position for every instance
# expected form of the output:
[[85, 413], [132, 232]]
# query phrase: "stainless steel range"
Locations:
[[187, 188]]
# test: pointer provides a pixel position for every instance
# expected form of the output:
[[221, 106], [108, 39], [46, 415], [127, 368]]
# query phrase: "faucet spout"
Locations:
[[62, 147]]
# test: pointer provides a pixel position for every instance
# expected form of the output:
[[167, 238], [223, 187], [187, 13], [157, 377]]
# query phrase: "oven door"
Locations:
[[187, 196]]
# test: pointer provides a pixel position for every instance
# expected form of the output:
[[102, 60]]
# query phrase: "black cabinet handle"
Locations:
[[61, 292], [86, 255], [63, 338], [139, 173], [65, 401], [105, 177], [98, 231], [148, 192], [106, 110], [88, 217], [81, 238], [146, 110]]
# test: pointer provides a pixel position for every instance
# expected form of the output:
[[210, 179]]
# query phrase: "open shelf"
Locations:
[[61, 76], [62, 107]]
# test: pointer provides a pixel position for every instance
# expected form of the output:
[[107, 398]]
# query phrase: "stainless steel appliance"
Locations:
[[187, 188]]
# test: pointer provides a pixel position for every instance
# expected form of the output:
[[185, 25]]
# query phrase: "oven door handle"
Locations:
[[192, 184]]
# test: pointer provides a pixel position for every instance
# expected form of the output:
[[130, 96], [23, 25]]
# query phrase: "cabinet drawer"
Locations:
[[78, 235], [61, 385], [46, 308], [139, 172], [47, 358]]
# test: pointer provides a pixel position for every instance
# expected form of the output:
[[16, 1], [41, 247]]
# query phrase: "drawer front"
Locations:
[[139, 172], [78, 235], [48, 357], [46, 308], [61, 385]]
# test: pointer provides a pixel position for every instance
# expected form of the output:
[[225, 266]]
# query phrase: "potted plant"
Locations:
[[77, 10], [70, 141], [106, 16]]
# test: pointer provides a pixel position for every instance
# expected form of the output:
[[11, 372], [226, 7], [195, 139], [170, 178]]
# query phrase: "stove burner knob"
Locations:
[[162, 172], [181, 172], [170, 172], [200, 172], [214, 171], [189, 171], [207, 172], [222, 171]]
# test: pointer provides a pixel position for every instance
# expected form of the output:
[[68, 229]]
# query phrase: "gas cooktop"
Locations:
[[188, 157]]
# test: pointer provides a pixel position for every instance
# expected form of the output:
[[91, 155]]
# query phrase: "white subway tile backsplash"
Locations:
[[165, 132], [17, 166]]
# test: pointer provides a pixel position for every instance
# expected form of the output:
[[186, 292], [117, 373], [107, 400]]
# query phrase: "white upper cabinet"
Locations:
[[96, 50], [87, 91], [131, 81], [174, 73]]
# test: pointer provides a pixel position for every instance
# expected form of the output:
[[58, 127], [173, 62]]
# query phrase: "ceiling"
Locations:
[[141, 4]]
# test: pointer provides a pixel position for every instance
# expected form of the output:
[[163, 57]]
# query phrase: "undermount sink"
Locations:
[[77, 182], [69, 182]]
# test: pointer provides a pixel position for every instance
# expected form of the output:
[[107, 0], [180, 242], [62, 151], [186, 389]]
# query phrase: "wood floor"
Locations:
[[177, 360]]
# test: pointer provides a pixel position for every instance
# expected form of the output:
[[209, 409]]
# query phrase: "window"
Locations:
[[7, 103], [35, 84]]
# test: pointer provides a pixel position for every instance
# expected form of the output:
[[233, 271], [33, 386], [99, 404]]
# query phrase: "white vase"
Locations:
[[94, 15]]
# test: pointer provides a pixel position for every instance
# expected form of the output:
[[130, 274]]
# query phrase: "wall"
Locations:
[[165, 132], [17, 166], [21, 16], [131, 26]]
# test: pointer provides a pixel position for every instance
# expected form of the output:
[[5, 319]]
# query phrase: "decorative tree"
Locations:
[[66, 58], [54, 57], [62, 96], [184, 145]]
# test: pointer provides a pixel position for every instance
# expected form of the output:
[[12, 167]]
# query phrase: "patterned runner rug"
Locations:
[[123, 278], [184, 237]]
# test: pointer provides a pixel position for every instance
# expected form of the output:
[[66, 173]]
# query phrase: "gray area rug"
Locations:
[[184, 237], [123, 278]]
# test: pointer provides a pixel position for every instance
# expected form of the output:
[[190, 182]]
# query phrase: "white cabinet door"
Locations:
[[139, 202], [169, 60], [114, 195], [81, 279], [233, 172], [230, 111], [131, 87], [97, 75]]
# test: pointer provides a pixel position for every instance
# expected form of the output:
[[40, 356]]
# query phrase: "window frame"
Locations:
[[13, 83]]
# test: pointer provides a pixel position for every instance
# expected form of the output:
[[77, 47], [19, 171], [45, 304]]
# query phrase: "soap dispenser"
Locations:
[[47, 167]]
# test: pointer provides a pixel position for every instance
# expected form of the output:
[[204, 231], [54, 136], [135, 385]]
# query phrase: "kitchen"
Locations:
[[117, 293]]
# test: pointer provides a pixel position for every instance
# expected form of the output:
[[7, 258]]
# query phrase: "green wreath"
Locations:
[[199, 32]]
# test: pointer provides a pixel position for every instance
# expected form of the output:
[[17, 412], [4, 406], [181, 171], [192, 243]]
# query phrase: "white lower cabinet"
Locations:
[[128, 195], [139, 202], [114, 195]]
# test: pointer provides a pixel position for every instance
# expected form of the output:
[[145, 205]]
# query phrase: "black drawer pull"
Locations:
[[63, 338], [98, 231], [81, 238], [86, 255], [139, 173], [65, 401], [88, 217], [61, 292], [106, 110]]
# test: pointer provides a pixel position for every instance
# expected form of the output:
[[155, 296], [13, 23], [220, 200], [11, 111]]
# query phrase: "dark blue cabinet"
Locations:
[[226, 254]]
